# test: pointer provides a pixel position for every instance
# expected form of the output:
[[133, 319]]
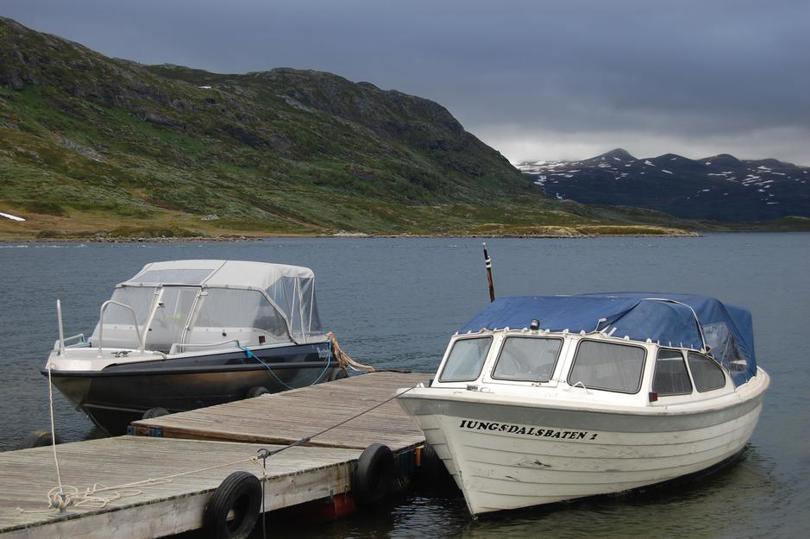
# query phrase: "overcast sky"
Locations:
[[535, 79]]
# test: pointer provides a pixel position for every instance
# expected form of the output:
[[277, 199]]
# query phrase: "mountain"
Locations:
[[717, 188], [96, 146]]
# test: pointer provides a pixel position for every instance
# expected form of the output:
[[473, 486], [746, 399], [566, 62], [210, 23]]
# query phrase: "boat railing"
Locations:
[[59, 345], [101, 323], [176, 346], [61, 340]]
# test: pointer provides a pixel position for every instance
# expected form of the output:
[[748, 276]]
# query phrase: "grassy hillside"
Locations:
[[94, 146]]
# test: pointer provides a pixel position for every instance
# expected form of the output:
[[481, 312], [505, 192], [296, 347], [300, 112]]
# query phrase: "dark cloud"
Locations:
[[535, 79]]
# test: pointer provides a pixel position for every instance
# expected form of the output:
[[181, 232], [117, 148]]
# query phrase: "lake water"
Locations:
[[394, 303]]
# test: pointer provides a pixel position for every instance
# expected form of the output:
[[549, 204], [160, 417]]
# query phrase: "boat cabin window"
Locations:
[[706, 373], [119, 328], [170, 318], [466, 360], [139, 298], [527, 359], [179, 276], [671, 376], [608, 366], [245, 315]]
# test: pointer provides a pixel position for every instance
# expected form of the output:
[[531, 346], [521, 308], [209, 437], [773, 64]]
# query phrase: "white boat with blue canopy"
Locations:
[[542, 399], [184, 334]]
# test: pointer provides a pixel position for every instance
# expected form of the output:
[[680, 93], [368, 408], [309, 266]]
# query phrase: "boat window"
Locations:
[[527, 359], [173, 276], [170, 318], [466, 360], [671, 376], [139, 298], [119, 329], [608, 366], [239, 314], [705, 372]]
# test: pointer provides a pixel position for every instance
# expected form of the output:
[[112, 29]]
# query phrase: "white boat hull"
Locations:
[[509, 456]]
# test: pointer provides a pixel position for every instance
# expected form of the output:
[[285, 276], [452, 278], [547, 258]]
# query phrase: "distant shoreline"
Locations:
[[582, 232], [215, 239]]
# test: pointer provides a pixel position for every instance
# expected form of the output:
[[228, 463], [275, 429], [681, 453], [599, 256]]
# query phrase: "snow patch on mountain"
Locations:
[[719, 187], [12, 217]]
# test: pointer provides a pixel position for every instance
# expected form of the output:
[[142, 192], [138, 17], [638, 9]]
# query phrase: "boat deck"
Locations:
[[203, 447]]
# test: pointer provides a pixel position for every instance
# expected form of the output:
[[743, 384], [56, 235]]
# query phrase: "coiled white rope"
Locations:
[[91, 498]]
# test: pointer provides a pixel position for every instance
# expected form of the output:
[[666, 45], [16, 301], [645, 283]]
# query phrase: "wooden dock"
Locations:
[[198, 449], [283, 418], [295, 476]]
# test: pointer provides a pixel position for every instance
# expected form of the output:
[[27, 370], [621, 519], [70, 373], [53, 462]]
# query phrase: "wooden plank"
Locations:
[[286, 417], [294, 476]]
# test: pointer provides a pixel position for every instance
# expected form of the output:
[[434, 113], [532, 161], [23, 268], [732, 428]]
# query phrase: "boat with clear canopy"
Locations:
[[185, 334], [548, 398]]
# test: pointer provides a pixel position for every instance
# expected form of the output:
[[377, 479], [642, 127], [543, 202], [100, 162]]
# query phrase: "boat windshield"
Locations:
[[527, 359], [707, 374], [171, 317], [608, 366], [466, 360], [670, 377], [221, 316], [245, 315], [119, 327]]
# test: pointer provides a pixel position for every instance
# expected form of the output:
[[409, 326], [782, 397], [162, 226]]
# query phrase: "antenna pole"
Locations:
[[488, 266]]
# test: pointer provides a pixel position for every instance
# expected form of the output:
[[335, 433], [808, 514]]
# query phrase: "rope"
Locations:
[[70, 496], [57, 499], [73, 497], [344, 359], [63, 496], [264, 480], [250, 355], [267, 453]]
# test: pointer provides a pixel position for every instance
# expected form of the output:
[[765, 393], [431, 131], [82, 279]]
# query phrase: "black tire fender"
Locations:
[[39, 438], [256, 391], [432, 472], [240, 496], [373, 479], [157, 411]]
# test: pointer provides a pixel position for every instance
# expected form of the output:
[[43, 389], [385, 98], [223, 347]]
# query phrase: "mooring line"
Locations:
[[60, 499], [306, 439]]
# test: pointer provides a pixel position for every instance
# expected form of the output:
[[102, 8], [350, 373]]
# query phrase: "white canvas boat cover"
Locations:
[[290, 288]]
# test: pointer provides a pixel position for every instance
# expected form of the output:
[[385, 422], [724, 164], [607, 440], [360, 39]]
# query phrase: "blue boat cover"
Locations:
[[679, 320]]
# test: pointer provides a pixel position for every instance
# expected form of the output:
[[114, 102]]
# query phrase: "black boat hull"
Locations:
[[122, 393]]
